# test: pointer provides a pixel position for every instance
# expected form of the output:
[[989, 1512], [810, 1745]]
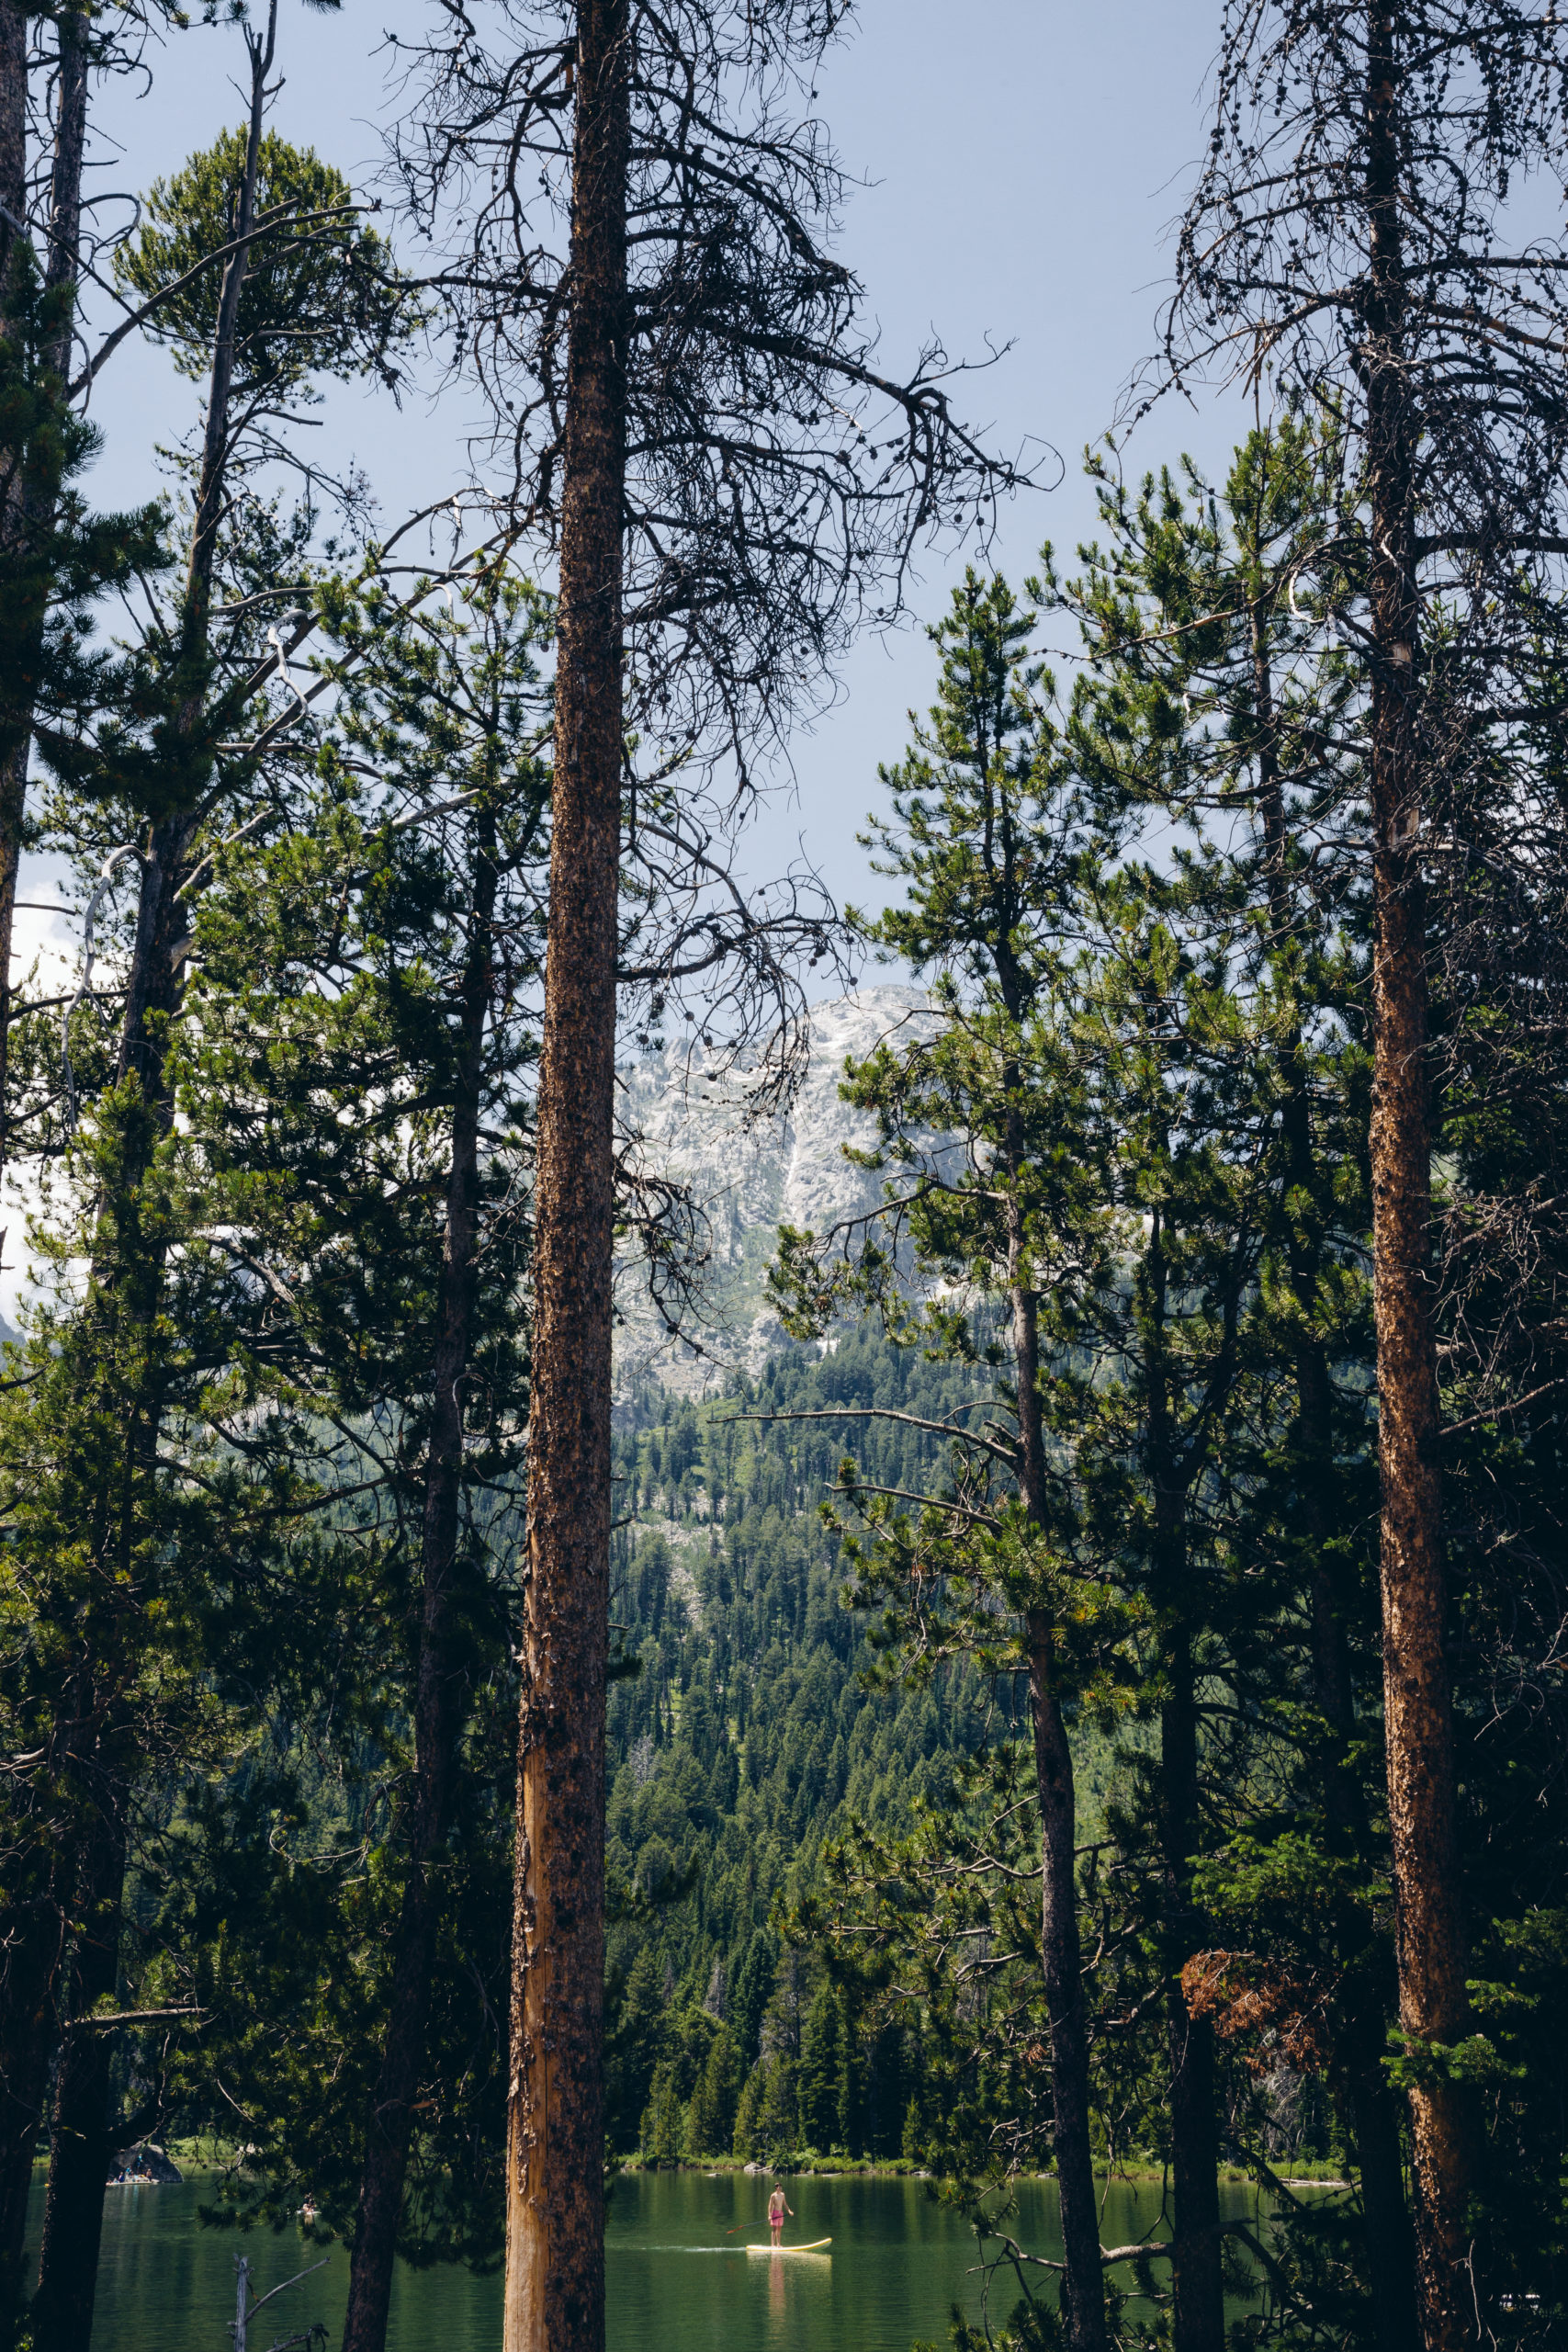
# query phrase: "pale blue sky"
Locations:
[[1024, 159]]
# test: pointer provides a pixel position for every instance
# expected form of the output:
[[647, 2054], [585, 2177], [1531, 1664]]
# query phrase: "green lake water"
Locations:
[[678, 2280]]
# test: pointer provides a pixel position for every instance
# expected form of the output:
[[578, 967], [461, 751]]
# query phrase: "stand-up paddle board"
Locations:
[[818, 2246]]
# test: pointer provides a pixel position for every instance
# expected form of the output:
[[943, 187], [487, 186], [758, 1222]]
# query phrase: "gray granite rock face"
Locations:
[[745, 1182]]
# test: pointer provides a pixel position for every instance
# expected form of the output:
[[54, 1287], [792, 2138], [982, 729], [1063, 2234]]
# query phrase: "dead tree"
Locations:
[[691, 417], [1357, 230]]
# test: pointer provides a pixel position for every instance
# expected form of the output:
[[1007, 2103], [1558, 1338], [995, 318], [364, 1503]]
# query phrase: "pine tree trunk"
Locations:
[[1197, 2319], [82, 2134], [555, 2252], [436, 1714], [1197, 2292], [1417, 1702], [1083, 2277], [1389, 2251]]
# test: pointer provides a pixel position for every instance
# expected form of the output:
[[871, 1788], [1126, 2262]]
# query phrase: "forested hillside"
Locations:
[[744, 1736]]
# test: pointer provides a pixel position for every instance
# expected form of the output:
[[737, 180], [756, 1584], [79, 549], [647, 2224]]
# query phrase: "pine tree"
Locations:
[[163, 758], [821, 2068], [422, 1047], [990, 847], [1195, 604], [1346, 233], [701, 582]]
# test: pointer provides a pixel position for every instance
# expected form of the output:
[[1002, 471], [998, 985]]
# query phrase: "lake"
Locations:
[[678, 2280]]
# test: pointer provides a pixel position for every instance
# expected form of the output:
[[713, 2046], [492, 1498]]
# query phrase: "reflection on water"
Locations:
[[678, 2276]]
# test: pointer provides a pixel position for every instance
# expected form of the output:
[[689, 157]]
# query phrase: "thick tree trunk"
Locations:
[[1417, 1702], [82, 2136], [554, 2254], [1390, 2253], [436, 1714], [1083, 2289]]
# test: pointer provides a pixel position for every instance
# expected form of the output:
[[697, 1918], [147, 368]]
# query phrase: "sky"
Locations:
[[1020, 162]]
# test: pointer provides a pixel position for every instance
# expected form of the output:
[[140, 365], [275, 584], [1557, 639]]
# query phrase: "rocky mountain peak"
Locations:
[[746, 1181]]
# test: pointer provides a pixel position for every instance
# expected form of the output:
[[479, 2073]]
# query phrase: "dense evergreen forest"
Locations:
[[1094, 1698], [747, 1739]]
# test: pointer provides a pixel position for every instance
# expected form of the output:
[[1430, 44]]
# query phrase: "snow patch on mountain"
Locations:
[[746, 1182]]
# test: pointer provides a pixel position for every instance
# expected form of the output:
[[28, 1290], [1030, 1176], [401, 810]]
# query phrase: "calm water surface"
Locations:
[[678, 2277]]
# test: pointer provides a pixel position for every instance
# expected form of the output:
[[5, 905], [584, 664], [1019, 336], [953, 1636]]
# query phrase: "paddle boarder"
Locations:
[[778, 2206]]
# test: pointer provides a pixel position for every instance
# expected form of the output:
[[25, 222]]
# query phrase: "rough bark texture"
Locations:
[[82, 2137], [555, 2257], [1419, 1719], [1083, 2288], [1390, 2250], [436, 1712]]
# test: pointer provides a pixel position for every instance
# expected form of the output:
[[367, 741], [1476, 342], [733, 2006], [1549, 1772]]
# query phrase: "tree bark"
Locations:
[[436, 1711], [1390, 2249], [1083, 2277], [82, 2135], [555, 2258], [1417, 1702]]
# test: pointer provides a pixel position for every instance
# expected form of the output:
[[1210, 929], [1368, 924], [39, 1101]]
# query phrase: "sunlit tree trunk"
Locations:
[[555, 2263], [1418, 1718]]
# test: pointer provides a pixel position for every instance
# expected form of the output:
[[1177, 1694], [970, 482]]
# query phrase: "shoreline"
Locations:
[[799, 2167]]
